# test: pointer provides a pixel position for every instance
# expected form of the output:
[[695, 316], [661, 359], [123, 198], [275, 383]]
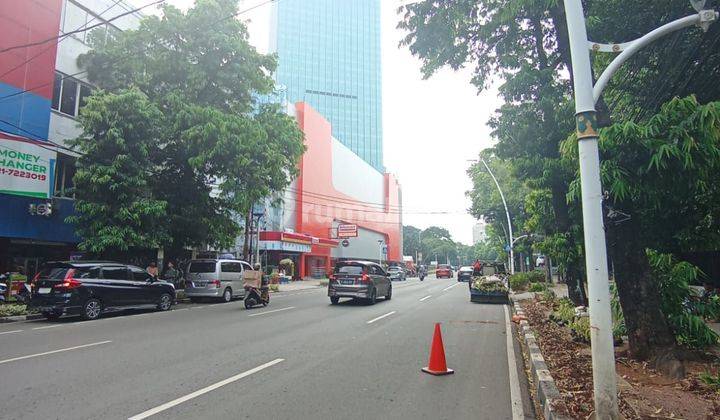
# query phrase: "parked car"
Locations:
[[465, 273], [215, 278], [359, 280], [444, 271], [397, 273], [91, 288]]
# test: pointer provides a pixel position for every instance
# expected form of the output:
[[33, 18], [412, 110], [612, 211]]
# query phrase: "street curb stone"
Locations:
[[31, 317], [545, 387]]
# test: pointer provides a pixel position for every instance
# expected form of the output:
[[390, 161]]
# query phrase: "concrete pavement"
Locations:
[[299, 358]]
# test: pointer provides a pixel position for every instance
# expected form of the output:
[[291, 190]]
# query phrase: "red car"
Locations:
[[444, 271]]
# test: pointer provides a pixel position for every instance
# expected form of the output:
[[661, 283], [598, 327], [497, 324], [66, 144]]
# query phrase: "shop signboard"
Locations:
[[347, 231], [26, 168], [284, 246]]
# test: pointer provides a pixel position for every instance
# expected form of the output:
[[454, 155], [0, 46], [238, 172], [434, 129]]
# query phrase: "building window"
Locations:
[[64, 173], [69, 95], [68, 98]]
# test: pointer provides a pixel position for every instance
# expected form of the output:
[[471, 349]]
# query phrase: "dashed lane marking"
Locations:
[[381, 317]]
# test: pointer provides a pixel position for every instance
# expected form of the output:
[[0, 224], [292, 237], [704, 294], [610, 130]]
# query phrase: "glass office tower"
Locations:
[[329, 57]]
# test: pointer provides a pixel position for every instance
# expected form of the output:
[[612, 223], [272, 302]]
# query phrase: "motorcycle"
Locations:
[[256, 295], [422, 276]]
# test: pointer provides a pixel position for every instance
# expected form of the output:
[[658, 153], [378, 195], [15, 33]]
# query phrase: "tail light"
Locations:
[[69, 282], [332, 278], [365, 278], [33, 282], [216, 283]]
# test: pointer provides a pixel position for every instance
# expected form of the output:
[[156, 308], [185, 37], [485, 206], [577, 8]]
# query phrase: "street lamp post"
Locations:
[[507, 214], [603, 356]]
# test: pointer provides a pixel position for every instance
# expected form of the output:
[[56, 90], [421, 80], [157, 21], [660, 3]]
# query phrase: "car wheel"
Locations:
[[165, 302], [373, 297], [334, 300], [51, 316], [92, 309], [388, 295], [227, 295]]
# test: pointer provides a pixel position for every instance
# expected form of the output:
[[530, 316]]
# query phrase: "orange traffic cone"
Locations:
[[437, 364]]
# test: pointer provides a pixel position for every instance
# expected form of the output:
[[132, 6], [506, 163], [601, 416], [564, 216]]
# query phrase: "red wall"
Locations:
[[23, 22], [315, 214]]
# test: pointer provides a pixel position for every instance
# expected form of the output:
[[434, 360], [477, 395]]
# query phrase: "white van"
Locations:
[[220, 279]]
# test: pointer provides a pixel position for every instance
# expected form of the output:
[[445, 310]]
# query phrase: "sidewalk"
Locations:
[[294, 286]]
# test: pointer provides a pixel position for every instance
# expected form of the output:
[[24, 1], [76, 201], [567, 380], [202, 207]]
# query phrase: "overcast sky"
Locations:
[[430, 127]]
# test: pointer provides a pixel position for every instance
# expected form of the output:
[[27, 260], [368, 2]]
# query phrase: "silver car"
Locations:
[[359, 280], [220, 279]]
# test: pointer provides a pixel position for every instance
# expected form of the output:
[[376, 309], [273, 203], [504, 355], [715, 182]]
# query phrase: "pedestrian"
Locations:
[[477, 268], [152, 269], [171, 273]]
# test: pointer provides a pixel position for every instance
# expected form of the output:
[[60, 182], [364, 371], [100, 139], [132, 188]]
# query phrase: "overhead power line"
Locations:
[[62, 38], [85, 71]]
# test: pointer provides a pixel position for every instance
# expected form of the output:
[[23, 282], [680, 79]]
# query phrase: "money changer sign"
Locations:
[[26, 168]]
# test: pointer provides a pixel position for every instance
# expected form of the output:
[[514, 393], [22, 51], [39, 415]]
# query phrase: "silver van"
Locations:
[[215, 278]]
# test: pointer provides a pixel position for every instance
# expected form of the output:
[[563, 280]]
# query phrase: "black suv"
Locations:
[[359, 280], [89, 288]]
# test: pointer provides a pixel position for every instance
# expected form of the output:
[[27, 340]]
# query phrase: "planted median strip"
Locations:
[[15, 359], [202, 391]]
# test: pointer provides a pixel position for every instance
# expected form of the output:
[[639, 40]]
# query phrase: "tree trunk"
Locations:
[[650, 336], [246, 239]]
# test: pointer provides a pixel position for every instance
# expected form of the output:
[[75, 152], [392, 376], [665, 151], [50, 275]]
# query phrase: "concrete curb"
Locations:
[[545, 387], [31, 317]]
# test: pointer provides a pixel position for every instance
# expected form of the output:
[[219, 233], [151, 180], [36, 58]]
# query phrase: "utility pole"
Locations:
[[586, 95], [507, 214]]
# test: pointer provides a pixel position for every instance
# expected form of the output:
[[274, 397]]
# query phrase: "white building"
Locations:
[[479, 234], [71, 84]]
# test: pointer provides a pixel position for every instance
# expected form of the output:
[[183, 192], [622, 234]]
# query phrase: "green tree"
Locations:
[[411, 240], [114, 210], [218, 151], [663, 194]]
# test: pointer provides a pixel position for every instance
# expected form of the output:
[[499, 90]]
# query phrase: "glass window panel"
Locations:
[[68, 101]]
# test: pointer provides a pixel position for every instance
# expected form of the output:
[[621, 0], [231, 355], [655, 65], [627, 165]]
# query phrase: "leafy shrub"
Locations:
[[548, 295], [713, 381], [581, 329], [677, 300], [537, 287], [565, 311], [12, 310], [520, 281]]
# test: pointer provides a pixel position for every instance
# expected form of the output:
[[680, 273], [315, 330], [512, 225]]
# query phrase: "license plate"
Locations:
[[44, 290], [347, 281], [199, 284]]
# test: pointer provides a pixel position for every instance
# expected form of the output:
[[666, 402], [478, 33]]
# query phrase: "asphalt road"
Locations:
[[299, 358]]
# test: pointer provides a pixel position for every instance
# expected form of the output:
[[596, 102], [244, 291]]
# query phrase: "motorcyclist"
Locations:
[[422, 272]]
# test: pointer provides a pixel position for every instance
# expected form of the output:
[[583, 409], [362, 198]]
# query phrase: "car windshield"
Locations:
[[394, 269], [443, 267], [53, 272], [202, 267], [349, 269], [466, 269]]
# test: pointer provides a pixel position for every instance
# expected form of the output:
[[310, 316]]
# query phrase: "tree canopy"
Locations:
[[216, 147]]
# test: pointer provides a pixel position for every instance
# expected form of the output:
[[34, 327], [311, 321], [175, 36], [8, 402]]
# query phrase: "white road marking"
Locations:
[[273, 311], [426, 297], [10, 332], [48, 326], [14, 359], [450, 287], [203, 391], [381, 317], [515, 396]]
